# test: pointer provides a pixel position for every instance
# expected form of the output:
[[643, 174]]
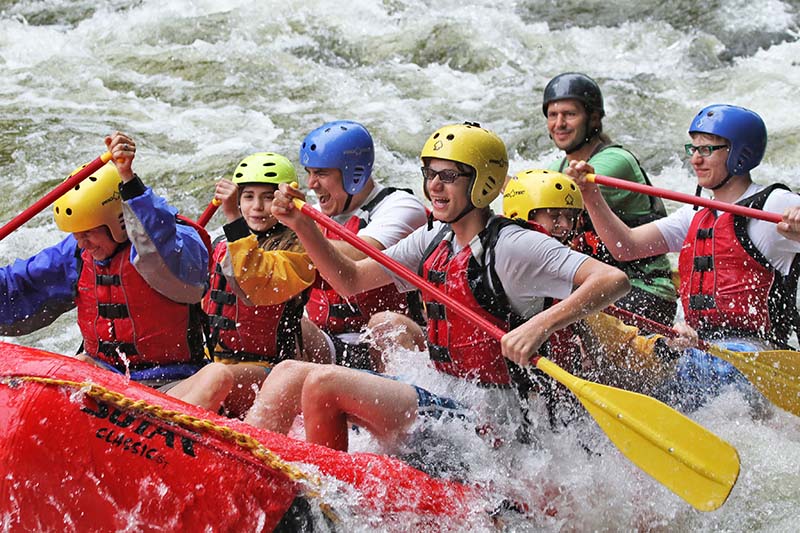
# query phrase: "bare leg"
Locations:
[[332, 394], [207, 388], [247, 380], [389, 331], [278, 402], [315, 344]]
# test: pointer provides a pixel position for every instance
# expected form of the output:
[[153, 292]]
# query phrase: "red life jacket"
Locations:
[[247, 332], [335, 314], [456, 346], [727, 286], [119, 312]]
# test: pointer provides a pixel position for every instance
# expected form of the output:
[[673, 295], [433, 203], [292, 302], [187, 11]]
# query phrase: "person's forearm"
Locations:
[[617, 236], [596, 293]]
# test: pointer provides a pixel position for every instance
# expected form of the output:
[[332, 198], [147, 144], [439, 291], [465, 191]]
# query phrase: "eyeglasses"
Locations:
[[447, 175], [704, 150]]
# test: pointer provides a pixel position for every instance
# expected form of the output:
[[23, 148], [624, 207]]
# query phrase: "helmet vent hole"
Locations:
[[559, 186], [77, 187], [313, 147], [343, 128], [243, 165], [57, 210], [269, 164], [436, 135], [271, 174], [450, 137], [239, 174], [92, 178], [68, 211]]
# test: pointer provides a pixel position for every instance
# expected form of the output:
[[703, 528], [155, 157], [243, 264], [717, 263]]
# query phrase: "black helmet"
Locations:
[[574, 85]]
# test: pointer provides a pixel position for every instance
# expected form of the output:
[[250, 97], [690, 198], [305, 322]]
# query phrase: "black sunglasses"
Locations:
[[447, 175]]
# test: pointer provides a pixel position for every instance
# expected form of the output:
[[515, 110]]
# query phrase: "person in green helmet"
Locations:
[[260, 281], [573, 107]]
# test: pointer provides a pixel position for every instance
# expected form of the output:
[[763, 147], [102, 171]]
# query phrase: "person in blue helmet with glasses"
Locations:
[[738, 275], [338, 158]]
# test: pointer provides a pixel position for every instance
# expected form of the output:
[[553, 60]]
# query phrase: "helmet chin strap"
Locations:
[[347, 203], [722, 183], [586, 138], [461, 215]]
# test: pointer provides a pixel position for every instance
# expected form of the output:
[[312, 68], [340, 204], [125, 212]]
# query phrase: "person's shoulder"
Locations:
[[615, 156]]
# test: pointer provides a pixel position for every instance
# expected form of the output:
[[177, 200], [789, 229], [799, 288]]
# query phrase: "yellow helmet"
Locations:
[[94, 202], [540, 189], [264, 167], [479, 148]]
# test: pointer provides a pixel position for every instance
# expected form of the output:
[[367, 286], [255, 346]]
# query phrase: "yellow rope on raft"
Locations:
[[243, 440]]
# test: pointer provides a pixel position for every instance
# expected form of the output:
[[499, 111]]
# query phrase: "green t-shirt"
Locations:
[[629, 206]]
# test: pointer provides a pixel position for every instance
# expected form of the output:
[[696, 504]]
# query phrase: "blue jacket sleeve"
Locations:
[[37, 290], [171, 257]]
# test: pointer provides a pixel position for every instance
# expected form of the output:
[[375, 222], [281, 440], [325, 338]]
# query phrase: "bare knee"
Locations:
[[391, 330], [323, 383]]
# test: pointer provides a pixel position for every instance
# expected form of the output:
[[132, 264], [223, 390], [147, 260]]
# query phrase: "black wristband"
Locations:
[[236, 230], [132, 189]]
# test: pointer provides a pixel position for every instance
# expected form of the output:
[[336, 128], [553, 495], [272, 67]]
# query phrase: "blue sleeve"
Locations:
[[37, 290], [170, 256]]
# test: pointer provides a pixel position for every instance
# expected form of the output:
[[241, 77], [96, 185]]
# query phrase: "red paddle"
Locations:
[[685, 198], [54, 195]]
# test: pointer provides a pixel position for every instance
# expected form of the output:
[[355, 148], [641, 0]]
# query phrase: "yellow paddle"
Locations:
[[685, 457], [775, 373]]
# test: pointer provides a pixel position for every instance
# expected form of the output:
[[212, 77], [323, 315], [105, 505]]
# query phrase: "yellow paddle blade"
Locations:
[[775, 373], [682, 455]]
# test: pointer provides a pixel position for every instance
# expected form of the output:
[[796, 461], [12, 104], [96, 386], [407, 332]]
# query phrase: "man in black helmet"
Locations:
[[573, 106]]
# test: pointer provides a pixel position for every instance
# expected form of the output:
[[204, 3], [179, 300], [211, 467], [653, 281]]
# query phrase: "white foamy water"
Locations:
[[201, 84]]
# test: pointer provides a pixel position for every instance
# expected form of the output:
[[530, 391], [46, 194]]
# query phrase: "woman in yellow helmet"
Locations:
[[464, 167], [554, 202], [134, 271], [259, 285]]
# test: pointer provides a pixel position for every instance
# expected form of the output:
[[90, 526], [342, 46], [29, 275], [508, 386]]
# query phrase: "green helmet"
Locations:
[[264, 168]]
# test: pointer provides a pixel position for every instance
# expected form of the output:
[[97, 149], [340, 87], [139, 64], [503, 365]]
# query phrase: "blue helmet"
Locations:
[[743, 128], [342, 144]]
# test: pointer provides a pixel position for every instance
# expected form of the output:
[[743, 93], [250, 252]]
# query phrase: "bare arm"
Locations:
[[346, 275], [597, 286], [354, 254], [624, 243]]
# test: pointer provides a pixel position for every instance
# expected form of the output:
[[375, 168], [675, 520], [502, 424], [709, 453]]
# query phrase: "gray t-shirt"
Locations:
[[530, 265]]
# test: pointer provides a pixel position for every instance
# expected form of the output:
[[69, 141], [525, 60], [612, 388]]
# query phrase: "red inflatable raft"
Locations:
[[83, 449]]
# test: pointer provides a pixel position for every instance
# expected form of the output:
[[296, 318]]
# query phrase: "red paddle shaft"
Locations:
[[54, 195], [212, 207], [645, 323], [685, 198]]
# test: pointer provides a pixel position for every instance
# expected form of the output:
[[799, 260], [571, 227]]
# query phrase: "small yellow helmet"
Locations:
[[264, 167], [540, 189], [94, 202], [477, 147]]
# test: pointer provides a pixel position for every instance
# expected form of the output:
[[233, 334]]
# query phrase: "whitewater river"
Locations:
[[201, 84]]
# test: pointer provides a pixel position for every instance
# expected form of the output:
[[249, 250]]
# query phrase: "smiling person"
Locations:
[[738, 275], [496, 267], [599, 347], [573, 106], [135, 271], [338, 157], [260, 281]]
